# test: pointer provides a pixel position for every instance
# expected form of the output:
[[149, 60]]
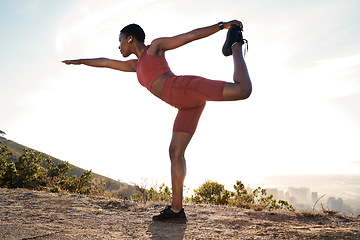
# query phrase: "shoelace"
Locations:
[[244, 41], [163, 211], [246, 46]]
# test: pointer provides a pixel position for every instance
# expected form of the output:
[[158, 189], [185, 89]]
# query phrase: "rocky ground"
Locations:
[[26, 214]]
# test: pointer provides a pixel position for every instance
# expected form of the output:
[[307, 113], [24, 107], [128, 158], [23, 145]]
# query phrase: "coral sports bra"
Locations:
[[149, 68]]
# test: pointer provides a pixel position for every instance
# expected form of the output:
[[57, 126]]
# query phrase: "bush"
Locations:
[[214, 193], [78, 184], [241, 197], [98, 187], [25, 173], [28, 172], [4, 156], [6, 170], [158, 194]]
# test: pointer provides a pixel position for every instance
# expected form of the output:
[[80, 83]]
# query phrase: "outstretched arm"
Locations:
[[126, 66], [168, 43]]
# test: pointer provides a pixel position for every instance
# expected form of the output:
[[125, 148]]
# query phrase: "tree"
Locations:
[[2, 133]]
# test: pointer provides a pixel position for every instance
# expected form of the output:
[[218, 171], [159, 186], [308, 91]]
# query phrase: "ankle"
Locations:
[[236, 45], [237, 48], [176, 207], [175, 211]]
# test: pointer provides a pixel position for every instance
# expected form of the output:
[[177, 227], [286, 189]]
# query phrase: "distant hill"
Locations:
[[112, 185]]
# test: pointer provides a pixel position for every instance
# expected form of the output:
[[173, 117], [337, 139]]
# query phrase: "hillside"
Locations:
[[17, 149], [26, 214]]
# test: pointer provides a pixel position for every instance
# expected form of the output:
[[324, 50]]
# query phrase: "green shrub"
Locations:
[[285, 205], [241, 197], [158, 194], [4, 156], [28, 172], [214, 193], [60, 171], [25, 173], [78, 184], [28, 169], [7, 179], [7, 171]]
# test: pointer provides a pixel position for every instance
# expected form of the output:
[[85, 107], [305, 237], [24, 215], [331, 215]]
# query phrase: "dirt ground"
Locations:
[[26, 214]]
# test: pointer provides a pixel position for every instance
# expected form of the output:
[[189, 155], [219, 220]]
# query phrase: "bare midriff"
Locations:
[[157, 86]]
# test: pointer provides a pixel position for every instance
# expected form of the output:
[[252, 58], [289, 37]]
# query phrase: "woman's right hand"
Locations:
[[227, 25], [75, 62]]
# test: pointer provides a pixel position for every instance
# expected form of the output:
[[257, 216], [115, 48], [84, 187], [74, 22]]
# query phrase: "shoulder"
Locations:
[[133, 63], [155, 48]]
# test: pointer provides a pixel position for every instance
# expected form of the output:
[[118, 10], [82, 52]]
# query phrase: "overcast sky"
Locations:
[[302, 118]]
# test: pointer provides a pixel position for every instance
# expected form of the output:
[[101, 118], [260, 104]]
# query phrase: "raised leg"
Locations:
[[241, 88], [179, 142]]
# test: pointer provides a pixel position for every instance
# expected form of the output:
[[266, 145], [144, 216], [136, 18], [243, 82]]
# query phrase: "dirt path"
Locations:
[[26, 214]]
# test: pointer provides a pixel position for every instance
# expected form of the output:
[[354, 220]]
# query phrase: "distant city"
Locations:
[[339, 193], [303, 199]]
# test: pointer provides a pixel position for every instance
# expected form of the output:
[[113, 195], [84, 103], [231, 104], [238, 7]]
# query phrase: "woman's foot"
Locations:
[[169, 215], [234, 35]]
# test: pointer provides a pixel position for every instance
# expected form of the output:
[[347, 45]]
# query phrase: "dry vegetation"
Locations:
[[29, 214]]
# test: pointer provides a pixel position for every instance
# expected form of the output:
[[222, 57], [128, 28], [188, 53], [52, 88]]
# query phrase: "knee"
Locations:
[[244, 91], [175, 153], [237, 91], [247, 92], [178, 163]]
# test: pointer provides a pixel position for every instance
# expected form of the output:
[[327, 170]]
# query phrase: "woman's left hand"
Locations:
[[227, 25]]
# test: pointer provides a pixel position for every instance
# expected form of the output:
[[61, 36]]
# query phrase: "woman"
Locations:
[[187, 93]]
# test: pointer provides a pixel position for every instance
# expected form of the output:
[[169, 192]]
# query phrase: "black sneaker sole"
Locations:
[[232, 37], [171, 220]]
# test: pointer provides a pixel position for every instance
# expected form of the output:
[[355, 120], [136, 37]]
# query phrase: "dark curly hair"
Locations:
[[134, 30]]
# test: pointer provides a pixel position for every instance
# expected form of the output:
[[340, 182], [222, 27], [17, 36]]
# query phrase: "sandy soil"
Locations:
[[26, 214]]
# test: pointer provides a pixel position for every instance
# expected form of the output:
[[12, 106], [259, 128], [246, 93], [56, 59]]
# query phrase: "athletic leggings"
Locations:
[[189, 94]]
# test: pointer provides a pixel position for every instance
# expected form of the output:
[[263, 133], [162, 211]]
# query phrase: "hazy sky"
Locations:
[[302, 118]]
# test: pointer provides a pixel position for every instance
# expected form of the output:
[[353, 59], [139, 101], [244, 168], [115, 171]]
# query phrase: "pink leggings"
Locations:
[[189, 94]]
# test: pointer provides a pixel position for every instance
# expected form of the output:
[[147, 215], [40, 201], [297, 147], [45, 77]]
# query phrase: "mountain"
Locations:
[[112, 185]]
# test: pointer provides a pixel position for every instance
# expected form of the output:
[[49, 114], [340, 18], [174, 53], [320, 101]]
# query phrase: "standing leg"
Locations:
[[185, 125], [179, 142], [184, 128]]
